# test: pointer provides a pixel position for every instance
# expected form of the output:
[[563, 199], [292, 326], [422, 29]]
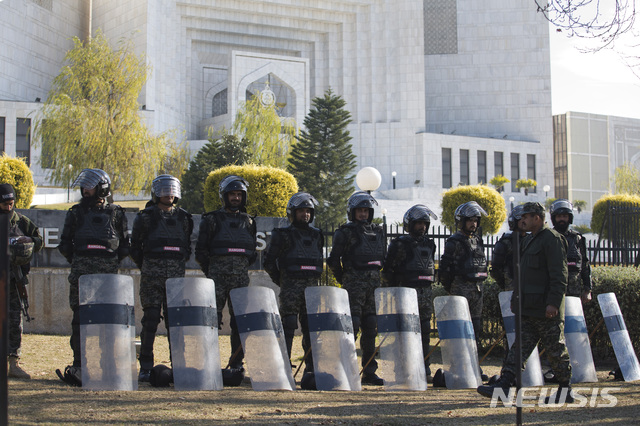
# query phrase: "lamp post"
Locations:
[[368, 179], [512, 199], [546, 189], [69, 186], [393, 175]]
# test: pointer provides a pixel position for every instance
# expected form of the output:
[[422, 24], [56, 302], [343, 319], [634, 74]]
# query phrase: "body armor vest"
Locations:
[[470, 264], [419, 269], [574, 257], [95, 234], [303, 255], [167, 238], [233, 235], [368, 251], [507, 241]]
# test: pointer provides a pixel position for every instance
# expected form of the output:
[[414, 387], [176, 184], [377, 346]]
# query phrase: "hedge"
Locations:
[[16, 172], [488, 198], [268, 193], [600, 209]]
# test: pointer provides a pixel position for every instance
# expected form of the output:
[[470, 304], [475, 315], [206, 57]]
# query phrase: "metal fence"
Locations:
[[618, 237]]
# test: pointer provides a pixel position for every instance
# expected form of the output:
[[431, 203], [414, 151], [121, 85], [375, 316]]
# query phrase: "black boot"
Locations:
[[562, 396], [505, 382]]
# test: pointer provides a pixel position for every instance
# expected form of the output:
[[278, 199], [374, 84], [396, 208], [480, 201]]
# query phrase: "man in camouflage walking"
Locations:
[[160, 247], [359, 247], [25, 240], [225, 249], [544, 274], [294, 262], [94, 240]]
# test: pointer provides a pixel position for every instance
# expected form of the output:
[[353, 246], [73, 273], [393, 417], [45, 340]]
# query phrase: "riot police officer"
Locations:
[[463, 266], [226, 248], [94, 240], [410, 263], [502, 262], [577, 261], [356, 259], [25, 240], [160, 247], [294, 262]]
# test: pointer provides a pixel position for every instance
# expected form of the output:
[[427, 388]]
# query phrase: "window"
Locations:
[[531, 169], [2, 127], [219, 103], [446, 167], [560, 162], [464, 167], [515, 170], [498, 164], [482, 166], [23, 145]]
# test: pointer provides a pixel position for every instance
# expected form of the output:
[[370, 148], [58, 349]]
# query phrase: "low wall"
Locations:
[[49, 299]]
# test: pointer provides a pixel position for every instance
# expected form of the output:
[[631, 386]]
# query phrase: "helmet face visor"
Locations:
[[166, 185], [94, 178], [415, 213]]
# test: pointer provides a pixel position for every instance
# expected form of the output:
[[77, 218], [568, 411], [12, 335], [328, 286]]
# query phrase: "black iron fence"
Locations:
[[618, 240]]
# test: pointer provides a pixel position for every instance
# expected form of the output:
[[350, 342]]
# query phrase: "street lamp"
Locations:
[[512, 199], [393, 175], [546, 189], [368, 179], [69, 186]]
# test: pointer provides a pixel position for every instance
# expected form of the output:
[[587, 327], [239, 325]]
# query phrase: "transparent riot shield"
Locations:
[[193, 326], [401, 358], [459, 351], [107, 332], [333, 345], [262, 336], [577, 338]]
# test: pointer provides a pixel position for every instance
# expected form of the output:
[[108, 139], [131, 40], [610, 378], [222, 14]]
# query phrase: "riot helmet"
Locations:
[[561, 206], [514, 217], [233, 183], [166, 185], [94, 178], [360, 199], [416, 213], [301, 200], [468, 210]]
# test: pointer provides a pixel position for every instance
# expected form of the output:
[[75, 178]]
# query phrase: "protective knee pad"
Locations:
[[370, 325], [219, 320], [356, 324], [150, 320], [290, 322], [477, 327]]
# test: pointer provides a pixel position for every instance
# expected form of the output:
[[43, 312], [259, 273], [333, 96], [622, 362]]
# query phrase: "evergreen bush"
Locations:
[[16, 172], [269, 189]]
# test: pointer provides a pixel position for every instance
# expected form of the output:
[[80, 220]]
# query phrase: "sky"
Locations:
[[599, 83]]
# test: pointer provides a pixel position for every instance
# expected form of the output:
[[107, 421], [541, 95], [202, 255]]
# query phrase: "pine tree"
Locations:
[[228, 150], [322, 161]]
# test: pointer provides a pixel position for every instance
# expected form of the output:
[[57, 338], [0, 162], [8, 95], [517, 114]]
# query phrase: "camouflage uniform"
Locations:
[[83, 262], [293, 271], [463, 268], [544, 282], [156, 268], [19, 225], [402, 253], [229, 270], [355, 260]]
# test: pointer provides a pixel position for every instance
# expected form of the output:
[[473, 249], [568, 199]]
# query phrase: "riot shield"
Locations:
[[401, 357], [335, 360], [193, 326], [626, 356], [532, 374], [459, 351], [577, 338], [260, 328], [107, 332]]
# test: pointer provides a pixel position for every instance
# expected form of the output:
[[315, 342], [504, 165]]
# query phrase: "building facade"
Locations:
[[441, 92]]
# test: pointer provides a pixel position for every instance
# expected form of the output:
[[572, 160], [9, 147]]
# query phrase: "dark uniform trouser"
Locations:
[[550, 333], [15, 321]]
